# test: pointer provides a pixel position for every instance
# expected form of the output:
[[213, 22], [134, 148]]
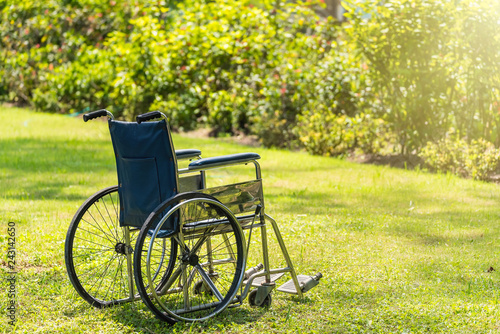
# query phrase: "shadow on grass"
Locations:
[[47, 190], [377, 199], [306, 202], [393, 160], [45, 168], [137, 316], [453, 227], [56, 155]]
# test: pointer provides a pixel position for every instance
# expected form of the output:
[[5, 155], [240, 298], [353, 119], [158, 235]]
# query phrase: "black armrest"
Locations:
[[187, 154], [224, 160]]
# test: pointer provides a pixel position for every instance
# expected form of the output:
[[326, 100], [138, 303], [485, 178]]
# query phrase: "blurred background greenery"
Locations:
[[407, 77]]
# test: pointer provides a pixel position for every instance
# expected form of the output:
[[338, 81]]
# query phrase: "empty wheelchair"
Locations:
[[162, 236]]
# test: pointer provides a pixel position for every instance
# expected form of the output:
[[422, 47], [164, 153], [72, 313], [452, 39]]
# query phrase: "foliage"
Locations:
[[478, 160], [397, 75], [475, 100], [325, 133], [235, 67], [434, 64], [405, 49], [37, 37], [338, 116]]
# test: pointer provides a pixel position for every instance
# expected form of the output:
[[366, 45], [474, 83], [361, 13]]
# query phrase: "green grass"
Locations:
[[400, 251]]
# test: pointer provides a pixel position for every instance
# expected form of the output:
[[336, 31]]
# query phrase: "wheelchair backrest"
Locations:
[[146, 167]]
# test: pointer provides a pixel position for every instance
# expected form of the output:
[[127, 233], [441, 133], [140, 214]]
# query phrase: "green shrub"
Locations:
[[446, 155], [434, 64], [36, 37], [78, 85], [226, 112], [338, 111], [399, 74], [325, 133], [233, 66], [478, 159], [404, 42], [483, 159], [476, 108]]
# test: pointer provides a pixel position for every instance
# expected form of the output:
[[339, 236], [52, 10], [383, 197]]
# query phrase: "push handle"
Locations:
[[97, 114], [149, 116]]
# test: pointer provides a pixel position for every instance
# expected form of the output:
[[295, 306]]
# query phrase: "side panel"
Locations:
[[239, 197], [190, 183]]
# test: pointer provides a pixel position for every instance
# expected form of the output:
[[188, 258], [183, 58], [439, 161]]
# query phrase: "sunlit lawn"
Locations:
[[400, 251]]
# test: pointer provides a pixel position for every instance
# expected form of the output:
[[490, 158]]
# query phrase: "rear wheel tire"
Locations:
[[96, 250], [204, 276]]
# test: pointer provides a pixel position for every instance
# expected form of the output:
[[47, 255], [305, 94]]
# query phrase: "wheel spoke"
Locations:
[[208, 281], [99, 228]]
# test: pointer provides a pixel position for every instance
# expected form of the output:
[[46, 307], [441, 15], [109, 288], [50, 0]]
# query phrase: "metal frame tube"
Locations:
[[130, 269], [209, 256], [286, 255], [265, 254]]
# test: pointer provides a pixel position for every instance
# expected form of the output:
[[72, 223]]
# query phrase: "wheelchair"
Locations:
[[162, 236]]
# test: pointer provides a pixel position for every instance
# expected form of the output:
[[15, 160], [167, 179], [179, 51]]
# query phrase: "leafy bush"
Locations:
[[404, 47], [483, 159], [478, 160], [476, 97], [36, 37], [399, 74], [325, 133], [338, 114], [234, 66], [434, 64]]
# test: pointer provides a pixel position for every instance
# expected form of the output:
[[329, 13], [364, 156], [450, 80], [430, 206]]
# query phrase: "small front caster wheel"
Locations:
[[251, 299]]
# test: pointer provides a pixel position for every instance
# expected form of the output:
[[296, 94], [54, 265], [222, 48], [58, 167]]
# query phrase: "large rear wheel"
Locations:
[[98, 252], [206, 250]]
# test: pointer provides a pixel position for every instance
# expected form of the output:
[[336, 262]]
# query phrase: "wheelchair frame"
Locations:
[[224, 211]]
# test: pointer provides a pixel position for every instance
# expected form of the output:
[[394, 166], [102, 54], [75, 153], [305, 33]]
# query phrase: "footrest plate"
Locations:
[[289, 287], [259, 280]]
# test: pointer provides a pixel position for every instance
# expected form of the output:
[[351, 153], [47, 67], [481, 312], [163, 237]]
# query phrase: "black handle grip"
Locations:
[[95, 114], [148, 116]]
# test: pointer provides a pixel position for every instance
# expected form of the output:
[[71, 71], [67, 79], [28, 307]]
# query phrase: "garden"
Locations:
[[406, 77], [407, 250]]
